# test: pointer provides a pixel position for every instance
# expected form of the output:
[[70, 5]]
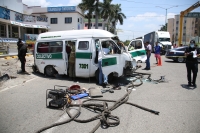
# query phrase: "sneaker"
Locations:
[[194, 85]]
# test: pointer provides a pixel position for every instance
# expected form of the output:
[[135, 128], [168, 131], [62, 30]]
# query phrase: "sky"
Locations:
[[142, 16]]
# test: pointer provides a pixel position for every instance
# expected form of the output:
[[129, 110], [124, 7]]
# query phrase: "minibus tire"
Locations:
[[49, 71], [110, 77], [97, 76]]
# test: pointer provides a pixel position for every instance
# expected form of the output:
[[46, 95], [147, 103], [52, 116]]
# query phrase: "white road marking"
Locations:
[[7, 88]]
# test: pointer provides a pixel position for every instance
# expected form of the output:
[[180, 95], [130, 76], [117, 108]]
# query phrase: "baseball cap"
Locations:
[[192, 41]]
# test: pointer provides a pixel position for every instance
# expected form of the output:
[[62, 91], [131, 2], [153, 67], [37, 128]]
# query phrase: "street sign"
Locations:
[[193, 15]]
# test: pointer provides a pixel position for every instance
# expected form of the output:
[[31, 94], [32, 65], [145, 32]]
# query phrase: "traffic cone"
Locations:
[[159, 61]]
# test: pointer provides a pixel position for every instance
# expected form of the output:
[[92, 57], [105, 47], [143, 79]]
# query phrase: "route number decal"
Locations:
[[83, 66]]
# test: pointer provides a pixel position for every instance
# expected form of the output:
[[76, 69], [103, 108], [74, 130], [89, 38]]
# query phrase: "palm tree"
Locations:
[[118, 16], [107, 11], [87, 6]]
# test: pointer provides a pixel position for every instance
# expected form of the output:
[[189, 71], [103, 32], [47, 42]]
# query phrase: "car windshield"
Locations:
[[164, 39]]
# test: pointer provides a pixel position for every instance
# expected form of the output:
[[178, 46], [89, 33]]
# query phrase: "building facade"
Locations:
[[18, 20], [102, 24], [191, 29]]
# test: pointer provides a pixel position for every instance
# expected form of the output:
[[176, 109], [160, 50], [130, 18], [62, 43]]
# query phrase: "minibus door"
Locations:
[[110, 62], [83, 57], [136, 49]]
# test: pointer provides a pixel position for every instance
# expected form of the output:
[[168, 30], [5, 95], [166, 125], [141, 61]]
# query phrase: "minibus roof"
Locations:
[[96, 33]]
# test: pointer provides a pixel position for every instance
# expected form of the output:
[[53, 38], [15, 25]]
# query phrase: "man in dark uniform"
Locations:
[[192, 54], [22, 50]]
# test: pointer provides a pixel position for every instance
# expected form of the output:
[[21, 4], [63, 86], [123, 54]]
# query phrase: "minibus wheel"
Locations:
[[97, 76], [50, 71], [110, 76]]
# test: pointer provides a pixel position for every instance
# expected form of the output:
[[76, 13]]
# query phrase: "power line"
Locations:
[[148, 7], [150, 16], [149, 3]]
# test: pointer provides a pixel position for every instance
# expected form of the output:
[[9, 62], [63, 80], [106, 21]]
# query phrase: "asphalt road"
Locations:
[[23, 105]]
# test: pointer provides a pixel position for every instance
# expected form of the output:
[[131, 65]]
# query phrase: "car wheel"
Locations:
[[175, 60], [50, 71], [180, 59]]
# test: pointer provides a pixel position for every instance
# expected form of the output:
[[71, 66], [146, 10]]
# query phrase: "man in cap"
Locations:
[[192, 54], [22, 50]]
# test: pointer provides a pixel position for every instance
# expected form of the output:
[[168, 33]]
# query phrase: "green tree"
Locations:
[[163, 28], [126, 43], [89, 7], [118, 16], [107, 10]]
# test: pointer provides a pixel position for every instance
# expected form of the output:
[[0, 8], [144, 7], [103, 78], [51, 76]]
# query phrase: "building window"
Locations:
[[68, 20], [2, 30], [184, 28], [183, 34], [176, 22], [81, 20], [185, 21], [15, 32], [29, 31], [78, 19], [86, 25], [54, 20], [176, 28], [100, 24]]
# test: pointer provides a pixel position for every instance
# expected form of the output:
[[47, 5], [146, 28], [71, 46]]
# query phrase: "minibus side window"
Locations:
[[56, 47], [132, 46], [138, 45], [83, 45], [50, 47], [43, 47]]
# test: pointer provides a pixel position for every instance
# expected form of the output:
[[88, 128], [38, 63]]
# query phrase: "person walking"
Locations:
[[148, 52], [191, 54], [22, 50], [157, 53], [72, 62]]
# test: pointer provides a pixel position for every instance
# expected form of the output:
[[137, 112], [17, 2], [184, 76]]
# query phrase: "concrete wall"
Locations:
[[170, 28], [60, 26]]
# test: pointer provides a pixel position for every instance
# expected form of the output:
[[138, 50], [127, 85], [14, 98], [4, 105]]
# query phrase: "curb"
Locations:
[[12, 56]]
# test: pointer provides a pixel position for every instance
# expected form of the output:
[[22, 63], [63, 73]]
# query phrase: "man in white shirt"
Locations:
[[148, 52], [105, 50]]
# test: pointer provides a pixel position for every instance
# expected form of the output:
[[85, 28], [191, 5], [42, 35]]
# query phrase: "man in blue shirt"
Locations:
[[157, 52]]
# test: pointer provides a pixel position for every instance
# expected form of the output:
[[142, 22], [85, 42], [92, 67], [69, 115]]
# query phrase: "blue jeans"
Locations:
[[101, 75], [148, 61]]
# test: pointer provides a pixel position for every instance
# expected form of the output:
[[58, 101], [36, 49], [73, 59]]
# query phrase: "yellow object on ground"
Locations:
[[14, 56], [8, 57]]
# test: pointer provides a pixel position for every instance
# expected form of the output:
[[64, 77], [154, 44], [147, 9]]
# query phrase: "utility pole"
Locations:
[[166, 15]]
